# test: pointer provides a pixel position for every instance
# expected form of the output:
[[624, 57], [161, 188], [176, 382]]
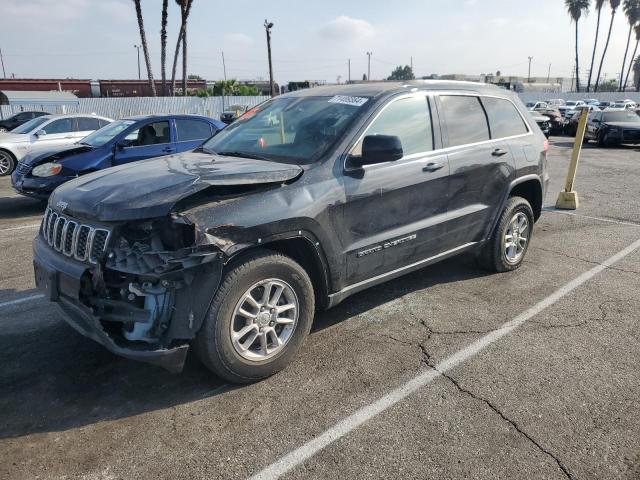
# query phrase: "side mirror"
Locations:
[[595, 120], [381, 148], [41, 133], [121, 145]]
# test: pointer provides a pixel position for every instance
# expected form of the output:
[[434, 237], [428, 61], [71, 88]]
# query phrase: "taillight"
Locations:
[[546, 146]]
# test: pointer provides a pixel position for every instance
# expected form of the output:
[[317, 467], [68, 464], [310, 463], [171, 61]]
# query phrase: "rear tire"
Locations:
[[278, 330], [7, 163], [507, 247]]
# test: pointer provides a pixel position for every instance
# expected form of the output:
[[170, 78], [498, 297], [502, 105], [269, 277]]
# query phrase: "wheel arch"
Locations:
[[302, 247], [529, 188]]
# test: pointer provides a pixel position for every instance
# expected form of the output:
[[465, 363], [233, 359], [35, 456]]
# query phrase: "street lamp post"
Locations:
[[268, 26], [369, 66], [138, 47], [529, 75]]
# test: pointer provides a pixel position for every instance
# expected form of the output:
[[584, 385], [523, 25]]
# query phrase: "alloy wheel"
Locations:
[[516, 238], [264, 319], [5, 163]]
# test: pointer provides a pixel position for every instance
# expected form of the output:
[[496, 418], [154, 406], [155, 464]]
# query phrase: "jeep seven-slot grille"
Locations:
[[73, 239]]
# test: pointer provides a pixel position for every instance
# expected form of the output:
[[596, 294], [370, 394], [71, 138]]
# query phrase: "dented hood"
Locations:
[[150, 188]]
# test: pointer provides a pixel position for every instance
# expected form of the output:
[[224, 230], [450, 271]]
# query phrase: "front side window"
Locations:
[[289, 129], [188, 130], [466, 120], [408, 119], [504, 119], [149, 134], [63, 125]]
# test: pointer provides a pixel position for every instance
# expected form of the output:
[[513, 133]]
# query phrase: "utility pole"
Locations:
[[138, 47], [529, 75], [224, 73], [549, 74], [4, 74], [267, 27], [369, 66], [411, 61], [349, 68]]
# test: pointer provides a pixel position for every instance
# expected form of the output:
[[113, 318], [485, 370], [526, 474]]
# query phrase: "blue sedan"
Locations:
[[123, 141]]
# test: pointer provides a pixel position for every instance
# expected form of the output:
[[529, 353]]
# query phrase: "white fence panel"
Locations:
[[127, 106]]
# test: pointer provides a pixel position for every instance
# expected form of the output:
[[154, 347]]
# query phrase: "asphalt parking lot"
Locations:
[[450, 372]]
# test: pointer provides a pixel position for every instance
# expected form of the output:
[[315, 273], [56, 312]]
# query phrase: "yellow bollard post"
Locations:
[[568, 199]]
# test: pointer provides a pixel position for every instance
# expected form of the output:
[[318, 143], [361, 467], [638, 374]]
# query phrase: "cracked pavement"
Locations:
[[556, 398]]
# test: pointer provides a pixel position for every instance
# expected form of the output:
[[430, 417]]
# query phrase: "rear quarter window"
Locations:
[[504, 118], [465, 118]]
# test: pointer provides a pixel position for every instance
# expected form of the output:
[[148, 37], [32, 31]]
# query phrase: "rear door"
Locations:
[[152, 139], [191, 132], [481, 168], [395, 211], [87, 125]]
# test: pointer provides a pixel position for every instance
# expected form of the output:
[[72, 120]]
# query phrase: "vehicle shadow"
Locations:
[[53, 379], [15, 207]]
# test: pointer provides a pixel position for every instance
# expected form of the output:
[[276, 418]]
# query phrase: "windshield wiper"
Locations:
[[241, 154]]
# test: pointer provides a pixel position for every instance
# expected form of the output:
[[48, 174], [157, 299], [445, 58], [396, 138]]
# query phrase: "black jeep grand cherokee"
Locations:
[[307, 199]]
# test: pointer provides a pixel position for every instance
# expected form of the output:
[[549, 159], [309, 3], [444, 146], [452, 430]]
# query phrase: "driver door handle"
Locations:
[[498, 152], [168, 149], [432, 166]]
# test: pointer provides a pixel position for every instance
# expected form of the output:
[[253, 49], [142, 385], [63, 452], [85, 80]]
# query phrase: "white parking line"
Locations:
[[22, 227], [361, 416], [600, 219], [21, 300]]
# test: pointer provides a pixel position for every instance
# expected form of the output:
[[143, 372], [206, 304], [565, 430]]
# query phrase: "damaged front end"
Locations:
[[141, 289]]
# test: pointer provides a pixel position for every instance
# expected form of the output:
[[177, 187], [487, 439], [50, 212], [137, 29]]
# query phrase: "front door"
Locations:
[[57, 132], [152, 139], [394, 212]]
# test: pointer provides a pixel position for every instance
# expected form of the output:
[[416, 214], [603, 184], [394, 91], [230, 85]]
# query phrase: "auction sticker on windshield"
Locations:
[[347, 100]]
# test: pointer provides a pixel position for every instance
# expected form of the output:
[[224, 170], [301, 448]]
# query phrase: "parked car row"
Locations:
[[127, 140]]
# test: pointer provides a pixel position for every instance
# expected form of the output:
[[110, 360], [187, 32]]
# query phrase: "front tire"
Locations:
[[7, 163], [507, 247], [259, 318]]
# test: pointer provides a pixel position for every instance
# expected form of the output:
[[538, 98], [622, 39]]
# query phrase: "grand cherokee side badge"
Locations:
[[385, 245]]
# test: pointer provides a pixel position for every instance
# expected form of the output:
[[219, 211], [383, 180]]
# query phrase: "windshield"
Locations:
[[106, 133], [30, 125], [530, 104], [621, 117], [572, 104], [288, 129]]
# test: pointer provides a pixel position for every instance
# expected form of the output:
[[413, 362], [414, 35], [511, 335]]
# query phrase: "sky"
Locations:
[[310, 41]]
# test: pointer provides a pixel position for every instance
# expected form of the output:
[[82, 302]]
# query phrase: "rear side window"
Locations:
[[88, 124], [192, 130], [466, 120], [504, 119], [408, 119]]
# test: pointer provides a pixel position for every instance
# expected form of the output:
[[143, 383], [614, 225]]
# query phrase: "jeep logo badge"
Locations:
[[61, 205]]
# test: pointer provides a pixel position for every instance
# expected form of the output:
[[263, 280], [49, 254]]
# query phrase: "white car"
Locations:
[[623, 105], [44, 132]]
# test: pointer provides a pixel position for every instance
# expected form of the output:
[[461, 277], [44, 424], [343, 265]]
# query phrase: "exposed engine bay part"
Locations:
[[156, 302], [159, 246]]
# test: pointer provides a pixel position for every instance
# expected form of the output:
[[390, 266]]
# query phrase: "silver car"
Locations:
[[44, 132]]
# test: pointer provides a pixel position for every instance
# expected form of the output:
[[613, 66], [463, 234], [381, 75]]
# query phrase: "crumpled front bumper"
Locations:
[[61, 278]]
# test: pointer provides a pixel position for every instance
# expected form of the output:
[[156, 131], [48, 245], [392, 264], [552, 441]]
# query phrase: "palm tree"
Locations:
[[636, 28], [632, 11], [185, 8], [576, 8], [145, 48], [614, 7], [636, 73], [163, 46], [599, 5]]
